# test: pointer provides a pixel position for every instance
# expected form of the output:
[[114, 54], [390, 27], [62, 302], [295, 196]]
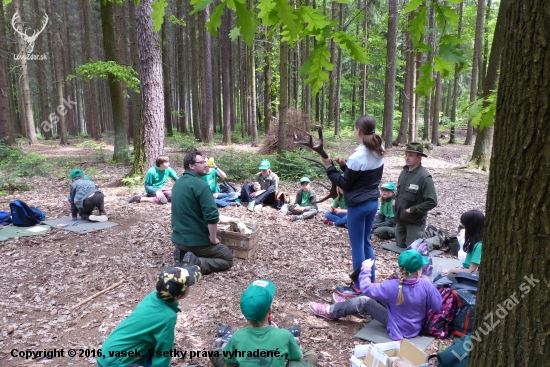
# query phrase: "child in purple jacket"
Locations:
[[401, 304]]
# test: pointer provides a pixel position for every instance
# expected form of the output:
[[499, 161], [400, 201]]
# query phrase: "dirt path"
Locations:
[[43, 276]]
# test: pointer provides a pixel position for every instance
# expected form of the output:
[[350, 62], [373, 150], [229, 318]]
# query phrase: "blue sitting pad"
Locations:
[[392, 246], [83, 226], [376, 332], [8, 232]]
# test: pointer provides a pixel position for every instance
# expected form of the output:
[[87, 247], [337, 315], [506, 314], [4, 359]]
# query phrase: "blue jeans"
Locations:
[[338, 219], [223, 199], [360, 220]]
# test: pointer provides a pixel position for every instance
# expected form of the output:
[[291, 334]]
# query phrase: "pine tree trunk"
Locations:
[[152, 92], [413, 129], [267, 87], [513, 297], [182, 72], [6, 134], [481, 156], [391, 64], [407, 94], [455, 82], [192, 19], [365, 66], [429, 59], [43, 123], [134, 56], [253, 113], [475, 64], [28, 120], [226, 76], [166, 80], [283, 102], [331, 74], [68, 69], [437, 109], [208, 97], [338, 77]]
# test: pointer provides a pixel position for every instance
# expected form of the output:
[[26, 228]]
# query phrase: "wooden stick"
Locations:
[[97, 294]]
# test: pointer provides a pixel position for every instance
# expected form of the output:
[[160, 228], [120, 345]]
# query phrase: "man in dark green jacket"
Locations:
[[415, 197], [194, 220]]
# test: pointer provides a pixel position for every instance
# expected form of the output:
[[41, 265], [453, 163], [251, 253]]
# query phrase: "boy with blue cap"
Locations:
[[261, 343], [264, 188], [85, 197]]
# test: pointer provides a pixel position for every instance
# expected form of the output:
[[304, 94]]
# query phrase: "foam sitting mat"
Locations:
[[376, 332], [83, 226], [446, 263], [8, 232], [392, 246]]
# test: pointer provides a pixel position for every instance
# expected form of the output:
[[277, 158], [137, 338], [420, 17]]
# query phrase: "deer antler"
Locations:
[[28, 39], [319, 149]]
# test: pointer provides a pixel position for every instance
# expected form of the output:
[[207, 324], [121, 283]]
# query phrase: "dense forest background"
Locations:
[[87, 75]]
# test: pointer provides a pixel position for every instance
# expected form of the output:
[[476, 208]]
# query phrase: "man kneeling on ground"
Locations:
[[194, 220]]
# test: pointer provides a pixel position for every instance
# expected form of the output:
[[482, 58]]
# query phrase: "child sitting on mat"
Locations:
[[85, 197]]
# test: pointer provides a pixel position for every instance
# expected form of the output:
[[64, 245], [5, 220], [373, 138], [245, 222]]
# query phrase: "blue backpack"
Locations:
[[5, 218], [23, 215]]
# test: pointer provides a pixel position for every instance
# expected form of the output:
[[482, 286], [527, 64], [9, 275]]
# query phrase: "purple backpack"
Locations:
[[422, 247], [439, 324]]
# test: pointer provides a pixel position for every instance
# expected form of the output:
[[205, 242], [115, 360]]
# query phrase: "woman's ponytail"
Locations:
[[373, 142]]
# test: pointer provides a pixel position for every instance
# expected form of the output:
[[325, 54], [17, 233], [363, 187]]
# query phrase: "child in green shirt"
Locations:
[[261, 343], [338, 214], [305, 206], [384, 223], [155, 181]]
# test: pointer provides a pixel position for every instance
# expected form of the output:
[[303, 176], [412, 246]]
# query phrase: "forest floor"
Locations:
[[42, 277]]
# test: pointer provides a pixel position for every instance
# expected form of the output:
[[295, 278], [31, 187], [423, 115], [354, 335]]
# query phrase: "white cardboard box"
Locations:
[[386, 354]]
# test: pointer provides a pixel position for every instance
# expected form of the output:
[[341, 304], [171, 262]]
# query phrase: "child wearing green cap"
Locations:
[[264, 188], [150, 327], [85, 197], [384, 224], [261, 343], [401, 303], [305, 205]]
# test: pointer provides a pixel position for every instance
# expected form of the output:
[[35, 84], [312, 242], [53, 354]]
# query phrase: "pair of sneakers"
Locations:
[[98, 218], [323, 309], [188, 259]]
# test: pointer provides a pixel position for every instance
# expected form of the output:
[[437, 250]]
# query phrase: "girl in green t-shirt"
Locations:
[[473, 233], [338, 214]]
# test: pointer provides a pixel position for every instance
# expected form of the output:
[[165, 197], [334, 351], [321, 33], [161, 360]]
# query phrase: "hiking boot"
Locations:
[[295, 330], [320, 309], [338, 298], [251, 206], [135, 199], [98, 218], [348, 291], [189, 259], [224, 333], [328, 222]]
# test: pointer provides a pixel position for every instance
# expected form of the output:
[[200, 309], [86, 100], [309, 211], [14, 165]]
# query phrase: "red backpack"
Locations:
[[439, 324]]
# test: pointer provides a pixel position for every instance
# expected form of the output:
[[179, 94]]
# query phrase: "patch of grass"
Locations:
[[16, 165]]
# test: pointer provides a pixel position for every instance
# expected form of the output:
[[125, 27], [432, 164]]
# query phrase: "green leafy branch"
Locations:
[[482, 111], [103, 69]]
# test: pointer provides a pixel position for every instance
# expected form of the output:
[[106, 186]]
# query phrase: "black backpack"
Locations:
[[464, 289], [281, 199], [23, 215]]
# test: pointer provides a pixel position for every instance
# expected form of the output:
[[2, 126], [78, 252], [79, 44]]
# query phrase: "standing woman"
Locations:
[[362, 175]]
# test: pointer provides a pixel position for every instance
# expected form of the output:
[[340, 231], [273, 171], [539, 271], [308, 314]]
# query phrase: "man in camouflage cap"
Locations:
[[151, 325]]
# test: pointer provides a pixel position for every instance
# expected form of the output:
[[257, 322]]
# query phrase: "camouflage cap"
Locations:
[[172, 282]]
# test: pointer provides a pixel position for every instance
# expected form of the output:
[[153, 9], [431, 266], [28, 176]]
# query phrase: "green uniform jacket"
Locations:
[[156, 179], [149, 327], [265, 182], [415, 190], [193, 208]]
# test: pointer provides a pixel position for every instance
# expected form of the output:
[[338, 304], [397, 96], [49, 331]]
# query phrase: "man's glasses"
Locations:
[[201, 162]]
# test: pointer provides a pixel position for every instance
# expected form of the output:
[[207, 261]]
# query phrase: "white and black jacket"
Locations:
[[362, 175]]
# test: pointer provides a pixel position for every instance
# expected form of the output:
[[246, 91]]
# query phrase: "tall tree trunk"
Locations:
[[92, 120], [192, 19], [483, 68], [481, 156], [429, 59], [413, 127], [226, 76], [182, 46], [365, 66], [166, 80], [208, 116], [115, 88], [134, 55], [41, 75], [407, 94], [253, 112], [513, 290], [437, 108], [391, 64], [283, 102], [28, 120], [71, 117], [331, 74], [338, 77], [267, 87], [475, 64], [6, 134], [455, 82]]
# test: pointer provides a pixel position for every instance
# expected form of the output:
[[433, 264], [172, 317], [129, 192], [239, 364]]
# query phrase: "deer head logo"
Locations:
[[29, 40]]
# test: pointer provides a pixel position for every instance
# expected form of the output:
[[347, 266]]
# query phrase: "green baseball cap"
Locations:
[[256, 300], [388, 186], [305, 179], [412, 261], [77, 172], [265, 164]]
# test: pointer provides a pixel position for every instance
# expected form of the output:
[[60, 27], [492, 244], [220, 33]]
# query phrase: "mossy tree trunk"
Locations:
[[516, 252]]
